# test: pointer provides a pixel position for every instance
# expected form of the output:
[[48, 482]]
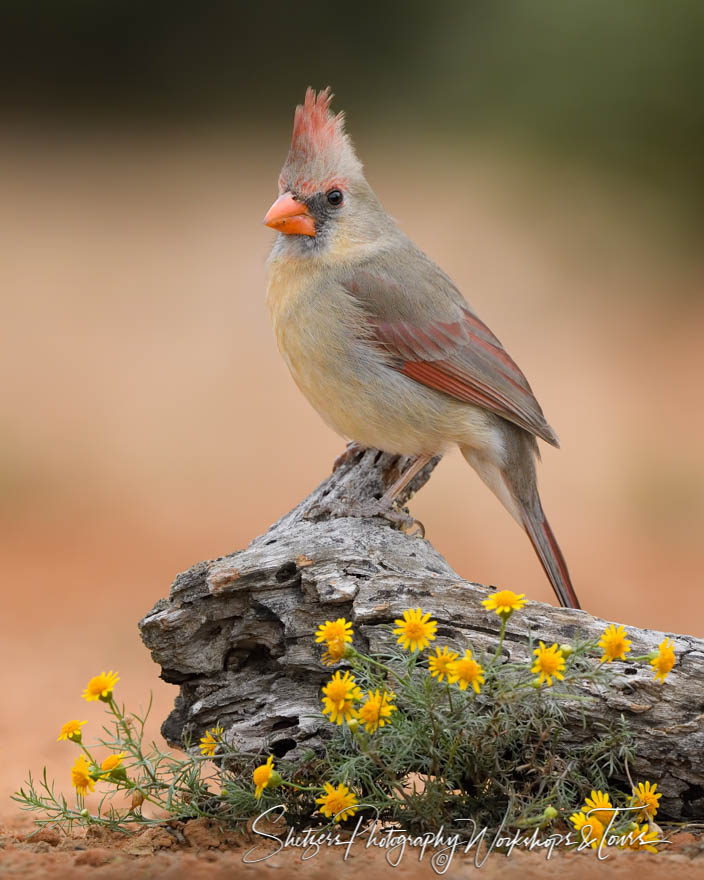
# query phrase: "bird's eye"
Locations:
[[334, 197]]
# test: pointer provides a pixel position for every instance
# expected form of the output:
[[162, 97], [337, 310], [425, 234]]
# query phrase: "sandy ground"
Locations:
[[199, 850], [147, 422]]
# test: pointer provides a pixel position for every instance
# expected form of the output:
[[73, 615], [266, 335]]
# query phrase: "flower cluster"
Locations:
[[415, 631], [344, 703], [615, 645], [599, 822], [436, 714], [336, 635], [336, 802], [87, 770]]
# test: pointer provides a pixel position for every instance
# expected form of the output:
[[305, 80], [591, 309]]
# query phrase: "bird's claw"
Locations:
[[417, 528]]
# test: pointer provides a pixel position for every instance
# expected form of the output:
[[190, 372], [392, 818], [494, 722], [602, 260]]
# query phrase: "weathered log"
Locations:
[[236, 633]]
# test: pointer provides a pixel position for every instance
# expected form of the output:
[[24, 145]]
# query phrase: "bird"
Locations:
[[383, 344]]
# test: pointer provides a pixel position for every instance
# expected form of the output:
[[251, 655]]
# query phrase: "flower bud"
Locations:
[[566, 650], [85, 813], [137, 799], [353, 725], [549, 813], [535, 683], [274, 780]]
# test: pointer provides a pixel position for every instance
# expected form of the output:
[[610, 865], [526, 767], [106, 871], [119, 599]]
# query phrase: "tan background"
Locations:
[[147, 421]]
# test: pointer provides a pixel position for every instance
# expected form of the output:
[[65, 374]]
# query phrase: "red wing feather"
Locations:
[[464, 359]]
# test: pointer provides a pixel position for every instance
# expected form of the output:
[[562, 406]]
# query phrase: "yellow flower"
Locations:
[[439, 663], [264, 776], [112, 763], [415, 630], [645, 796], [341, 692], [376, 710], [80, 776], [505, 602], [101, 687], [465, 671], [614, 644], [665, 660], [71, 730], [335, 652], [549, 662], [334, 630], [337, 802], [211, 740], [590, 829], [642, 838], [599, 802]]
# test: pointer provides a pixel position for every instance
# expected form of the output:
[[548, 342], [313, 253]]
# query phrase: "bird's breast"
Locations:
[[317, 328], [323, 336]]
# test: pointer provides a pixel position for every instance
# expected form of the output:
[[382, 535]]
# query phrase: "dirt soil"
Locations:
[[199, 849]]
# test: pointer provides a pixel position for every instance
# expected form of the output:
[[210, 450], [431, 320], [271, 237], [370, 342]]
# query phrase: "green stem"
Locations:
[[301, 787], [383, 666], [122, 722], [449, 697], [502, 634], [88, 754], [114, 708]]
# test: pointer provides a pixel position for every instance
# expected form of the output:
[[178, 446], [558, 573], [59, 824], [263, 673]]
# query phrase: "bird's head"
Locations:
[[324, 199]]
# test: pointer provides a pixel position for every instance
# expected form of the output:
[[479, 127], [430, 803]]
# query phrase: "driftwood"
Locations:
[[236, 634]]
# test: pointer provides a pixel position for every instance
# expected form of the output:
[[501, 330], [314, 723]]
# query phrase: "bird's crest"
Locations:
[[321, 153]]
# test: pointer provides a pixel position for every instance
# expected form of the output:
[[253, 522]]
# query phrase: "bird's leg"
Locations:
[[384, 506], [392, 493]]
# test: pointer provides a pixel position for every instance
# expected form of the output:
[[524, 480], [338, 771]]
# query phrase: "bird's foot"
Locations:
[[349, 453], [399, 518]]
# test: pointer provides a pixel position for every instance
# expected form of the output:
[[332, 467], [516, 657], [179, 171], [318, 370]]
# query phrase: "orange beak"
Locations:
[[290, 217]]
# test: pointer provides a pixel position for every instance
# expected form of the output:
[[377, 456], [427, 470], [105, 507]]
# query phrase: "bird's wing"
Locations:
[[436, 339]]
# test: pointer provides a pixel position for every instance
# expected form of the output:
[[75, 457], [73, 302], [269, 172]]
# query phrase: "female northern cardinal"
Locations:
[[383, 344]]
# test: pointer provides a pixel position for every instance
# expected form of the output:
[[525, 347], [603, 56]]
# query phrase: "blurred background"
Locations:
[[549, 155]]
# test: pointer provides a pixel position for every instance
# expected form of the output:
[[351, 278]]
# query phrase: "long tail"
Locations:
[[549, 554], [516, 488]]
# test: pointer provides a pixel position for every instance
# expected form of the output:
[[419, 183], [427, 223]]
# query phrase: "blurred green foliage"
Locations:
[[620, 83]]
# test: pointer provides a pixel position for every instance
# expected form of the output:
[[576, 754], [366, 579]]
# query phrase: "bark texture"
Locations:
[[236, 633]]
